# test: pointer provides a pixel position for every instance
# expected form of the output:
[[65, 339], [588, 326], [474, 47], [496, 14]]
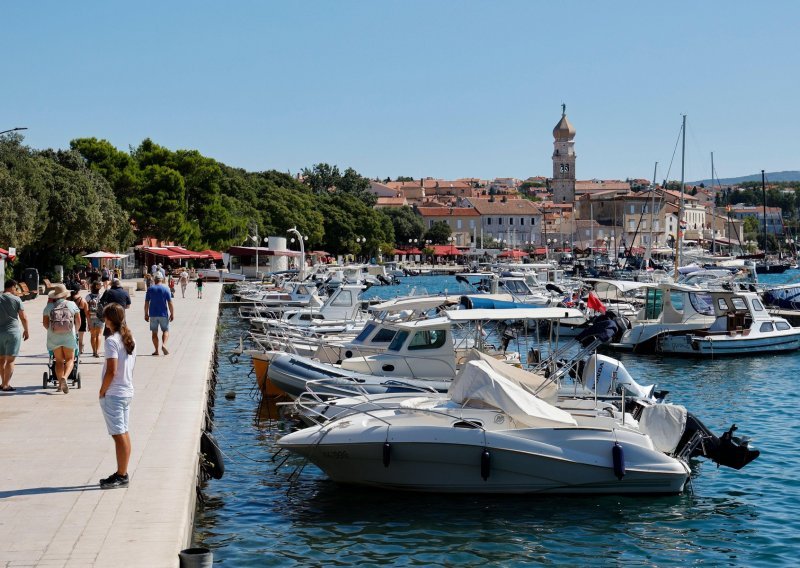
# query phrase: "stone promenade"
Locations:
[[54, 448]]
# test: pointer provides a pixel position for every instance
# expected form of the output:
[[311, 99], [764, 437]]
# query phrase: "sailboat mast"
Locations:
[[649, 251], [764, 195], [679, 246], [713, 221]]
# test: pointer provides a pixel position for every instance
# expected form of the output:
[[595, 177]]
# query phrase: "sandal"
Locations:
[[8, 388]]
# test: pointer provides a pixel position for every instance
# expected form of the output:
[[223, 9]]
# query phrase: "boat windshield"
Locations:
[[702, 303], [383, 336], [364, 333], [398, 341]]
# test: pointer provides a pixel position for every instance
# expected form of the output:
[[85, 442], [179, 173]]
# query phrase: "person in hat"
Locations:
[[159, 311], [62, 319], [11, 310]]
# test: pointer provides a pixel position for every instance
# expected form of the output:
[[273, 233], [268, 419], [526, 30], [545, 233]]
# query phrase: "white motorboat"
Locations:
[[490, 435], [668, 309], [742, 326]]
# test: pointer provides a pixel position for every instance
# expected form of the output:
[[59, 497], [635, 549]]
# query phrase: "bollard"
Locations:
[[196, 558]]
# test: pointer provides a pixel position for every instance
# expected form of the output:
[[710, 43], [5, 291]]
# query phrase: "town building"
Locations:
[[464, 222], [516, 221], [774, 224], [563, 182]]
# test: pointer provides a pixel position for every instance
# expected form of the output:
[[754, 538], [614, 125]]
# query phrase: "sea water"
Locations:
[[258, 516]]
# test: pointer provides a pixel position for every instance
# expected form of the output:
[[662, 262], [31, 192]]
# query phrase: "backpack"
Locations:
[[94, 303], [61, 320]]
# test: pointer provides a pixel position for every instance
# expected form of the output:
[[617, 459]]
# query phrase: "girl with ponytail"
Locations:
[[116, 390]]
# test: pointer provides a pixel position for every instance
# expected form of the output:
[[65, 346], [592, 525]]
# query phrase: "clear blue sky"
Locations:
[[419, 88]]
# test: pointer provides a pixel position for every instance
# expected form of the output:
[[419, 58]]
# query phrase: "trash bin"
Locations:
[[196, 558], [31, 278]]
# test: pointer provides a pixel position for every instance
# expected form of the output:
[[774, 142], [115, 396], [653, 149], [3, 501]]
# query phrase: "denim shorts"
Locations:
[[156, 322], [116, 410], [9, 343]]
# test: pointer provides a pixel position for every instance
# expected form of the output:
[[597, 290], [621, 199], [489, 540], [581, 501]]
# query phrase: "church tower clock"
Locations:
[[563, 184]]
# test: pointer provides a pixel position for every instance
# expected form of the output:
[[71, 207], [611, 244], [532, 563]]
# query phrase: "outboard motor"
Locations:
[[383, 280], [553, 288], [728, 450], [602, 328]]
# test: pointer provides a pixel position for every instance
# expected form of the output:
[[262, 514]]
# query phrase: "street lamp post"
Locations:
[[302, 240], [13, 130]]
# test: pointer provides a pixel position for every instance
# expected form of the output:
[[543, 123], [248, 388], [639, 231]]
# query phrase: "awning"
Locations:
[[445, 250], [262, 251], [540, 250], [515, 253], [212, 254], [407, 251], [6, 254], [167, 253]]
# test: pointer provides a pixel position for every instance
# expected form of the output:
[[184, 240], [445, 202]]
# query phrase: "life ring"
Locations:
[[212, 462]]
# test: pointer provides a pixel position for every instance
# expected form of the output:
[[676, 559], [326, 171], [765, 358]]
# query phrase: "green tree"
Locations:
[[406, 224], [438, 233]]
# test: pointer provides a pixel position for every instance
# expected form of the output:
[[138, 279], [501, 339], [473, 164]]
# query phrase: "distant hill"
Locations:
[[792, 175]]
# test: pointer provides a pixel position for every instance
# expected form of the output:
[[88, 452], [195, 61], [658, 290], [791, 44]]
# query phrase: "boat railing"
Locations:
[[370, 408]]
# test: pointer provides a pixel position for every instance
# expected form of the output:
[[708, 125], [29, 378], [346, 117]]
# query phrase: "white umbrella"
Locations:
[[103, 254]]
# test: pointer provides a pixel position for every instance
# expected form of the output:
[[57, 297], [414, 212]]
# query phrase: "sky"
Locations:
[[434, 88]]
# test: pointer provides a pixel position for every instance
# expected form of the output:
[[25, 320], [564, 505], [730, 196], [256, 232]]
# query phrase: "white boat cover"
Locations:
[[603, 373], [536, 384], [664, 423], [513, 314], [478, 385]]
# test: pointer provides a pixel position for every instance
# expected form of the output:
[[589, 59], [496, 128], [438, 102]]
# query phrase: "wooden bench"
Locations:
[[47, 285], [25, 293]]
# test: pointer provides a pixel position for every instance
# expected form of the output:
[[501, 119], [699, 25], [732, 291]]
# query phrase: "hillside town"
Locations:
[[540, 215]]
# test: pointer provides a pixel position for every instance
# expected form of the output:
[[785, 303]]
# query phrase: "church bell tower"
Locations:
[[563, 184]]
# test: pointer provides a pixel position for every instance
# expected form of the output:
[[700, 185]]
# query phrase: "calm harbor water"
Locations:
[[255, 516]]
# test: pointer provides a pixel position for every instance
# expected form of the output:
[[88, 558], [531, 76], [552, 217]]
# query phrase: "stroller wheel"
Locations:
[[45, 379], [78, 380]]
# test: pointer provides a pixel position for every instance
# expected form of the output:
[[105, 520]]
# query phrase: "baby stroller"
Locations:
[[49, 376]]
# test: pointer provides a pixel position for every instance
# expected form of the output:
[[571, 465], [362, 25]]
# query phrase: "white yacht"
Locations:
[[668, 309], [742, 326]]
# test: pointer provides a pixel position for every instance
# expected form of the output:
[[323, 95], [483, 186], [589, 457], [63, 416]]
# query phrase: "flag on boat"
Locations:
[[594, 303]]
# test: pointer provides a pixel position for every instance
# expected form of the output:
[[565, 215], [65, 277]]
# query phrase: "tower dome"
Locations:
[[564, 129]]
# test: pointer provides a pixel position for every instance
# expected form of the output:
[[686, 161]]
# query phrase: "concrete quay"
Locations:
[[54, 448]]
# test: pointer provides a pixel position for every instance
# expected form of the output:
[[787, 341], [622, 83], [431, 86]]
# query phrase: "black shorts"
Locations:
[[105, 279]]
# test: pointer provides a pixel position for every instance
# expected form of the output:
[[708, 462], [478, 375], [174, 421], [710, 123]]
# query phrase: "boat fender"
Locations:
[[618, 455], [387, 454], [212, 462], [486, 463]]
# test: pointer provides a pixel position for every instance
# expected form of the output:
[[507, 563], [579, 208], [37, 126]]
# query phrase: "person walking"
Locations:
[[116, 295], [105, 277], [148, 280], [158, 310], [116, 391], [95, 318], [184, 281], [61, 319], [83, 306], [199, 284], [11, 310]]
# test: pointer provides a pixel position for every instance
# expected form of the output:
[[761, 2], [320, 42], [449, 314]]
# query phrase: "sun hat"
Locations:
[[58, 291]]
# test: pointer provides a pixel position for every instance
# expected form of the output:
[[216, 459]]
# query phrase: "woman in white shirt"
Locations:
[[116, 390]]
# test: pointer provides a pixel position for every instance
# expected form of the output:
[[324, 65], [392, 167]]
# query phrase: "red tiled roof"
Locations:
[[448, 212], [499, 207]]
